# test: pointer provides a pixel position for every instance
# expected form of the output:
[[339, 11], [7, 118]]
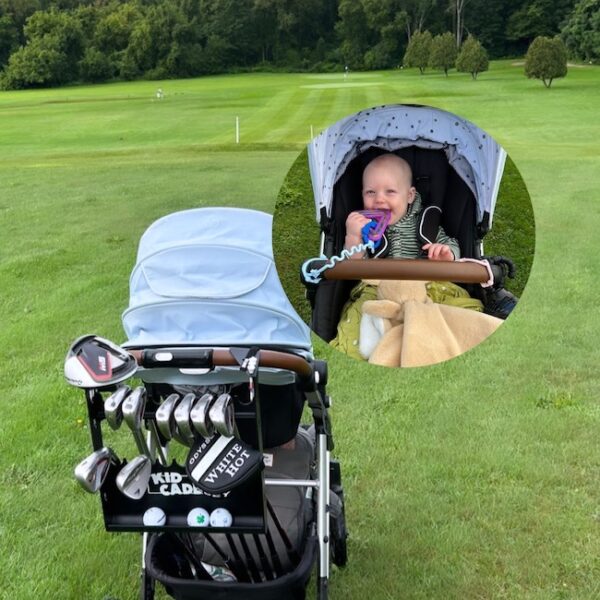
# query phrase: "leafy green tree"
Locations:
[[63, 28], [581, 33], [418, 50], [488, 20], [54, 44], [95, 66], [41, 63], [546, 59], [443, 52], [355, 34], [114, 29], [388, 20], [537, 18], [415, 13], [472, 58], [9, 38]]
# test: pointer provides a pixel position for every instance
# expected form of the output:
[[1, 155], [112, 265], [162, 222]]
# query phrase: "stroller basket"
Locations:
[[292, 585]]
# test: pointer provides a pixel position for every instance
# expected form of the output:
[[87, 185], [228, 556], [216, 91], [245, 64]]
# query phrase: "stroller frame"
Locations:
[[311, 375]]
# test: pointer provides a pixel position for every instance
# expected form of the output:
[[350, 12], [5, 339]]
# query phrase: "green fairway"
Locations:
[[477, 478]]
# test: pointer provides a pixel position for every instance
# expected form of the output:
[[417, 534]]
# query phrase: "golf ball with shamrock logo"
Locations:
[[198, 517]]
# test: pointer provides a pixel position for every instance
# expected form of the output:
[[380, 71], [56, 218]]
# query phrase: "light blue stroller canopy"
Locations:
[[473, 154], [206, 277]]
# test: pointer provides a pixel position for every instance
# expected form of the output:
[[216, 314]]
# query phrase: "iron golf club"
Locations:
[[133, 411], [113, 407], [91, 472], [132, 479], [222, 416], [182, 418], [164, 416], [199, 415]]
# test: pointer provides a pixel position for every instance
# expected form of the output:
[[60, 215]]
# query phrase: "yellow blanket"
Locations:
[[403, 328]]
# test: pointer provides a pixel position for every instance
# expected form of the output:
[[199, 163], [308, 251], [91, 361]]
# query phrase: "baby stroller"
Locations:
[[226, 366], [457, 170]]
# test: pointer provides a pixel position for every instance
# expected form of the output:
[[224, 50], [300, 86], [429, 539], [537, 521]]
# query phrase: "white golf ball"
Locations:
[[154, 517], [198, 517], [220, 517]]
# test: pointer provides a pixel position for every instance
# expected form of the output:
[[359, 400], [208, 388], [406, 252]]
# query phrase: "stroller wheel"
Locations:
[[338, 531]]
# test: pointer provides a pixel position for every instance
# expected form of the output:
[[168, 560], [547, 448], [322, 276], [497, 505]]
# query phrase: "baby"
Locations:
[[387, 185]]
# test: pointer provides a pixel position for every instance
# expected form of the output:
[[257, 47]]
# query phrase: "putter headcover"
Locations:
[[221, 463], [93, 362]]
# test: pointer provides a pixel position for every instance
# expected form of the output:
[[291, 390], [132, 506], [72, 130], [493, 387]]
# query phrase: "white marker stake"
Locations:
[[312, 135], [237, 130]]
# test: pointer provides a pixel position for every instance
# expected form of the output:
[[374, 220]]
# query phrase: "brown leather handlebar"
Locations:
[[411, 269], [222, 357]]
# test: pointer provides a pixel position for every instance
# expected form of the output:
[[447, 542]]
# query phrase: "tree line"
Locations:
[[54, 42]]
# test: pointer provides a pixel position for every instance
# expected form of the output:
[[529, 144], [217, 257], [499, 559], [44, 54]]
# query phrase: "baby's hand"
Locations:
[[354, 224], [438, 252]]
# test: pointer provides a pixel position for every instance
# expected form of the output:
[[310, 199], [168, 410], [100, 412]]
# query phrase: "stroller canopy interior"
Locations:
[[473, 154], [207, 277]]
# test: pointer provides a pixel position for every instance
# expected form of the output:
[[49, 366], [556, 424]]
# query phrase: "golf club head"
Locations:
[[113, 407], [133, 414], [91, 471], [133, 408], [199, 415], [222, 415], [182, 418], [93, 362], [164, 416], [132, 480]]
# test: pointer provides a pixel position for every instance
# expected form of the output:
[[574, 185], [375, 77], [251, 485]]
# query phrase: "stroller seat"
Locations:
[[456, 168]]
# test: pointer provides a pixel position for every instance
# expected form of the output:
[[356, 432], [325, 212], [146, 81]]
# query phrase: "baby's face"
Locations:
[[386, 187]]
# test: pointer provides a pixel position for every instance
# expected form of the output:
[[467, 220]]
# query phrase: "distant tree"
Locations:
[[41, 63], [387, 19], [415, 15], [417, 52], [581, 33], [546, 59], [9, 38], [458, 6], [54, 45], [95, 66], [537, 18], [114, 29], [443, 52], [472, 58]]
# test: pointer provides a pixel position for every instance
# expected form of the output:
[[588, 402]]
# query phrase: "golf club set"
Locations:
[[221, 477]]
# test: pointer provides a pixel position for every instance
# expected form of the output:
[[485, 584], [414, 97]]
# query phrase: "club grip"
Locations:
[[190, 358]]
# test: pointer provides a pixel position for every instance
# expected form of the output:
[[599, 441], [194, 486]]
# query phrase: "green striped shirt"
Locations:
[[402, 236]]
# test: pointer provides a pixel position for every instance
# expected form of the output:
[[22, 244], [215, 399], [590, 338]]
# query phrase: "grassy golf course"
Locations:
[[476, 478]]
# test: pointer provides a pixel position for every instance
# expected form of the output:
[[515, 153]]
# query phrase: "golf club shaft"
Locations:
[[154, 443]]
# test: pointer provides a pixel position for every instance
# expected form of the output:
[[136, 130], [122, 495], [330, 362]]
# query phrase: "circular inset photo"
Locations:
[[413, 233]]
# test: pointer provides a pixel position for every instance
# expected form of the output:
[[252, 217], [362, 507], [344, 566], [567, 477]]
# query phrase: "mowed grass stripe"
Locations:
[[272, 113], [301, 111]]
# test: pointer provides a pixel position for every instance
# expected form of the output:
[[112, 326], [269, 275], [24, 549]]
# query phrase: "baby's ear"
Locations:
[[412, 192]]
